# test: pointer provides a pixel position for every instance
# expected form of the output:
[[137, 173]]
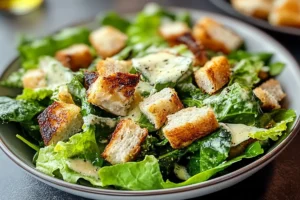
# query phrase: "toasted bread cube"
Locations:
[[59, 121], [268, 101], [113, 93], [110, 66], [285, 13], [108, 41], [215, 36], [170, 31], [159, 105], [188, 125], [35, 78], [274, 88], [75, 57], [125, 143], [90, 78], [254, 8], [270, 93], [214, 75]]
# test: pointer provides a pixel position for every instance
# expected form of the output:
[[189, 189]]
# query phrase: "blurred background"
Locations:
[[38, 18]]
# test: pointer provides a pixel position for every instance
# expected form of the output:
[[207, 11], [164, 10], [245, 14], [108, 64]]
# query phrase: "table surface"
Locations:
[[280, 180]]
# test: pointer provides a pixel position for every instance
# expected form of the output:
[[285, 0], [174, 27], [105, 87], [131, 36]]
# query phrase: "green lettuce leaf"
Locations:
[[246, 73], [54, 159], [145, 123], [252, 151], [113, 19], [35, 94], [276, 68], [283, 120], [12, 110], [213, 151], [239, 55], [143, 175], [28, 143], [235, 104], [78, 92]]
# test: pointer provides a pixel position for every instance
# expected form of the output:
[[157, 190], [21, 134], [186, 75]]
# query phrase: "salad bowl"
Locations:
[[256, 41]]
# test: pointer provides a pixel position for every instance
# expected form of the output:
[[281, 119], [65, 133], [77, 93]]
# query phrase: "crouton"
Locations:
[[170, 31], [285, 13], [59, 121], [268, 101], [274, 88], [35, 78], [159, 105], [75, 57], [90, 78], [110, 66], [214, 75], [108, 41], [254, 8], [125, 143], [188, 125], [113, 93], [200, 57], [215, 36], [270, 93]]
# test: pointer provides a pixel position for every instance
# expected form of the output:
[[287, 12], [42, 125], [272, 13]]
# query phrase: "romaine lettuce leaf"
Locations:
[[239, 55], [54, 159], [28, 143], [246, 72], [143, 175], [252, 151], [276, 68], [213, 151], [235, 104], [35, 94], [283, 120], [12, 110]]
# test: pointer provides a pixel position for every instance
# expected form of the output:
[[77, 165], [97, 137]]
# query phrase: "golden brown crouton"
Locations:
[[270, 93], [159, 105], [75, 57], [110, 66], [35, 78], [215, 36], [170, 31], [188, 125], [200, 57], [285, 13], [214, 75], [113, 93], [108, 41], [59, 121], [125, 143], [90, 78], [255, 8]]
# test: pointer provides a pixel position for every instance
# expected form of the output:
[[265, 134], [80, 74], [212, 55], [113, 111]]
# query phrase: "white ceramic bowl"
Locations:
[[256, 41]]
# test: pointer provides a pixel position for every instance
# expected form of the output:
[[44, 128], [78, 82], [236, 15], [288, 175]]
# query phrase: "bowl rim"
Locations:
[[226, 6], [112, 192]]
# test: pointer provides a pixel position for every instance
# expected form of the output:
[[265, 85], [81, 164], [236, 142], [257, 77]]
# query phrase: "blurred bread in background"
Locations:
[[285, 13], [254, 8]]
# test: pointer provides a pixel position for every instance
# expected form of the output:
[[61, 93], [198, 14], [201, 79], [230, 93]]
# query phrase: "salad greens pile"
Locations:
[[158, 165]]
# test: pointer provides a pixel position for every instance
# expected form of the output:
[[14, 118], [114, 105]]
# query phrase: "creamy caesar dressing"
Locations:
[[56, 74], [83, 167], [240, 132], [162, 67], [102, 121], [181, 172]]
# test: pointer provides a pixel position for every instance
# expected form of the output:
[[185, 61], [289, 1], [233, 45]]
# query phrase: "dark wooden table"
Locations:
[[280, 180]]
